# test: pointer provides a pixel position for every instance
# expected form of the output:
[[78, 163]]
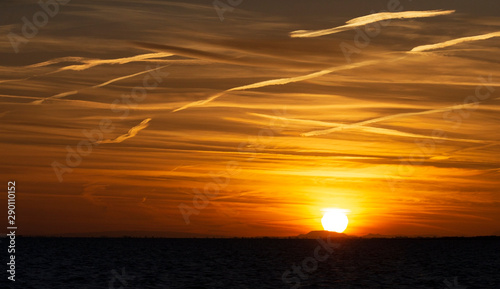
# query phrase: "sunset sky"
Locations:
[[116, 115]]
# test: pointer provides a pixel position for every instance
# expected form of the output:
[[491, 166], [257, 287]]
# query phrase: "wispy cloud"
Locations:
[[450, 154], [367, 129], [380, 119], [131, 133], [231, 57], [127, 76], [372, 18], [87, 63], [59, 95], [455, 42], [298, 121], [13, 80], [59, 60], [279, 81], [72, 92]]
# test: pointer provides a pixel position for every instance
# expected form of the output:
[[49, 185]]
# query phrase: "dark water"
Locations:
[[255, 263]]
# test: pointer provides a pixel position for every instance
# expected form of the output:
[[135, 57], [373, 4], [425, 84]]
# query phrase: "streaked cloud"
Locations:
[[87, 63], [131, 133], [73, 92], [372, 18], [279, 81], [128, 76], [231, 55], [381, 119], [363, 128], [57, 96], [457, 41]]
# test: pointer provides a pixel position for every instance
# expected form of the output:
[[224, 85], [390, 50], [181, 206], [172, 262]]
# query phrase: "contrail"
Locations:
[[369, 129], [448, 155], [455, 42], [58, 60], [364, 20], [380, 119], [64, 94], [229, 58], [13, 80], [368, 19], [90, 62], [131, 133], [94, 62], [60, 95], [279, 81], [188, 52], [299, 121], [127, 76]]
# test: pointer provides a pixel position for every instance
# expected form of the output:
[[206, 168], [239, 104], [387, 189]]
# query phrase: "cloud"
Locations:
[[455, 42], [380, 119], [372, 18], [58, 60], [89, 62], [72, 92], [60, 95], [127, 76], [232, 57], [131, 133], [448, 155], [12, 80], [368, 129], [279, 81], [187, 52], [298, 121]]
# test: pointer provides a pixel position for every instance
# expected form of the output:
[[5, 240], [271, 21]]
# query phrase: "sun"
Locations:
[[334, 220]]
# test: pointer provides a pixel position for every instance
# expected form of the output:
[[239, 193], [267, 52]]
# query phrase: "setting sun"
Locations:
[[335, 220]]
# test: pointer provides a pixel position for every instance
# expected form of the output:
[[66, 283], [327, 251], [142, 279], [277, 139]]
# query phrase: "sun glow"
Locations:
[[334, 220]]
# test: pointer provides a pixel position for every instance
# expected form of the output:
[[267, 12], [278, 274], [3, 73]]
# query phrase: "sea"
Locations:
[[155, 263]]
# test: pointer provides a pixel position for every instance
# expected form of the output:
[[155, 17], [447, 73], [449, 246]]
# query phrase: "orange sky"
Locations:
[[162, 103]]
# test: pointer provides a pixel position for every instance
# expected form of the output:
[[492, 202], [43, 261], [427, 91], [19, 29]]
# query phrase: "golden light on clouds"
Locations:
[[148, 120]]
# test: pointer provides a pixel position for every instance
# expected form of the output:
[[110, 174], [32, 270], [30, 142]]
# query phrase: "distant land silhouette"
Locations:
[[328, 234], [323, 234]]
